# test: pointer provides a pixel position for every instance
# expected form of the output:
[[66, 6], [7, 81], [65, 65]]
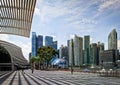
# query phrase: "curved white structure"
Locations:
[[16, 16], [16, 57]]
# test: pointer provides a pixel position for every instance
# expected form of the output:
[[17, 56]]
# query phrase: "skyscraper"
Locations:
[[34, 44], [78, 50], [54, 45], [63, 52], [48, 40], [93, 53], [112, 40], [71, 52], [39, 41], [86, 49]]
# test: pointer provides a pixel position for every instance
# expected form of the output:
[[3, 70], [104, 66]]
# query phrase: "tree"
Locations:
[[32, 62], [46, 53]]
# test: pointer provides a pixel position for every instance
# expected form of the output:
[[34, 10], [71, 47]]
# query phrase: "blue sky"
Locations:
[[64, 18]]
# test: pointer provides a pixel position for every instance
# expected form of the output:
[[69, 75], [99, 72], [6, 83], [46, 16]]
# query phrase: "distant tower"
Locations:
[[93, 53], [55, 46], [71, 52], [34, 44], [86, 49], [48, 40], [39, 41], [63, 52], [78, 50], [112, 40]]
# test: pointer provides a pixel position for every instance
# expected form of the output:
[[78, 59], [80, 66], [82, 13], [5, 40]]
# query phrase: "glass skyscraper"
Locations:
[[78, 50], [48, 40], [34, 38], [71, 52], [39, 41], [93, 53], [112, 40], [86, 49], [54, 45]]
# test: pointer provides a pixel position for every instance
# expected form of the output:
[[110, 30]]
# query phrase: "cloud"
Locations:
[[37, 11], [109, 4]]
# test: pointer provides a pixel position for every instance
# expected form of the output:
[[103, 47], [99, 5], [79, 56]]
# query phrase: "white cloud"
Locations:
[[72, 36], [37, 11], [109, 4]]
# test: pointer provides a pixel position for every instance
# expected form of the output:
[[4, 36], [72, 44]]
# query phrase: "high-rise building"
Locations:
[[63, 52], [112, 40], [78, 50], [54, 44], [86, 49], [71, 52], [48, 40], [34, 44], [93, 53], [39, 41], [100, 48]]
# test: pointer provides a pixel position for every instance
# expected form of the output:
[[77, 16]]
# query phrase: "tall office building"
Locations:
[[63, 52], [54, 45], [112, 40], [39, 41], [48, 40], [93, 53], [86, 49], [78, 50], [100, 48], [71, 52], [34, 44]]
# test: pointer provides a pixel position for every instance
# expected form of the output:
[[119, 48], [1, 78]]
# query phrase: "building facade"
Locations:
[[86, 49], [71, 52], [63, 52], [34, 44], [112, 40], [48, 40], [39, 41], [108, 58], [93, 53], [78, 50]]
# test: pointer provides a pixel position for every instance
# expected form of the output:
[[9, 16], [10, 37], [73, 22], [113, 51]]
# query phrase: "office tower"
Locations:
[[100, 48], [39, 41], [71, 52], [86, 49], [93, 53], [48, 40], [34, 44], [112, 40], [78, 50], [54, 45], [63, 52]]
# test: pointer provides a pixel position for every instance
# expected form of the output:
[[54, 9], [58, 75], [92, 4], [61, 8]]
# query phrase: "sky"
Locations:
[[64, 18]]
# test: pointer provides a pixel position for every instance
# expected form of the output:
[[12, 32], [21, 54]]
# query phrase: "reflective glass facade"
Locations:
[[48, 40], [78, 50], [34, 44], [86, 49], [39, 41], [112, 40]]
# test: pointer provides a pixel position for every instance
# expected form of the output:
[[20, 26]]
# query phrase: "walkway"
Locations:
[[55, 78]]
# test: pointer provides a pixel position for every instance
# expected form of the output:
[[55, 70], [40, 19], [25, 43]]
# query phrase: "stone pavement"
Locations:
[[56, 78]]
